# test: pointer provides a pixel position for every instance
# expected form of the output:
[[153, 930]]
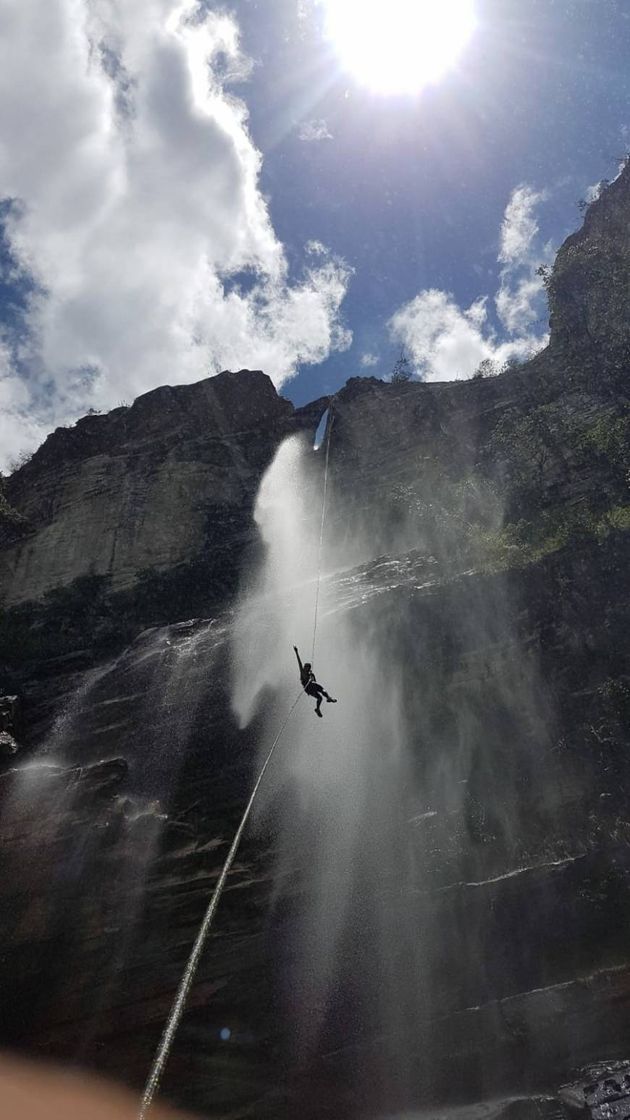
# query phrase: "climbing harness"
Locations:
[[185, 984]]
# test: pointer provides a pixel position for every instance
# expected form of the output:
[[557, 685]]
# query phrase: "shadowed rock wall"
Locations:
[[164, 482], [488, 525]]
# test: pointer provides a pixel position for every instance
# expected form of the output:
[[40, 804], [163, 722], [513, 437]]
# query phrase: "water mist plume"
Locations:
[[342, 778], [423, 782]]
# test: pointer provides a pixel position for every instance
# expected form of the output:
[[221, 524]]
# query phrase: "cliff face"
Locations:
[[165, 482], [171, 480], [590, 285], [477, 536], [505, 914]]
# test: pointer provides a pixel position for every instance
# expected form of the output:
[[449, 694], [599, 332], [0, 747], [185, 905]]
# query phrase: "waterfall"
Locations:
[[395, 814], [339, 786]]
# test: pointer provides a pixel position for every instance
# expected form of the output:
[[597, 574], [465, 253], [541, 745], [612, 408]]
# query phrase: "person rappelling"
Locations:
[[310, 685]]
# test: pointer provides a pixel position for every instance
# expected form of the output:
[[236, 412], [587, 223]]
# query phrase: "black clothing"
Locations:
[[310, 685], [307, 678], [316, 690]]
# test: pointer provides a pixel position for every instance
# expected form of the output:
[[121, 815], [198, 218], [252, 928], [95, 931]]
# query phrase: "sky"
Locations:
[[188, 186]]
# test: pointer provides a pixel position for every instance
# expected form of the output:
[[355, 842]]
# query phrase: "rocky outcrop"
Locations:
[[166, 482], [9, 724], [12, 525], [590, 284], [600, 1095], [520, 887], [461, 470], [170, 481]]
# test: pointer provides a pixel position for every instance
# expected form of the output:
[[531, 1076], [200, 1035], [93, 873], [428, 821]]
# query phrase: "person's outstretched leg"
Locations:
[[330, 699]]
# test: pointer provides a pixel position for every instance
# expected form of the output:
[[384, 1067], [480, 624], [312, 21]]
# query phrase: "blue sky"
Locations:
[[189, 186], [411, 191]]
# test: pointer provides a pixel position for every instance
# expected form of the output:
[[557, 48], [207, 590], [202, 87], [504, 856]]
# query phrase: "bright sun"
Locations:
[[399, 46]]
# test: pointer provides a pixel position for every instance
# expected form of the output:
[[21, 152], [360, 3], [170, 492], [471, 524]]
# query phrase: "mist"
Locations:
[[405, 794]]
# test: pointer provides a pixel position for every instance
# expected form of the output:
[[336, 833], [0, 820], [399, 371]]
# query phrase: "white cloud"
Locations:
[[141, 210], [315, 248], [593, 192], [477, 313], [446, 342], [518, 300], [312, 131], [368, 361], [519, 227], [17, 429]]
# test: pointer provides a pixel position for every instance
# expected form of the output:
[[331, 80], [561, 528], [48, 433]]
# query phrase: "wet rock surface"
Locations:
[[167, 481], [505, 925], [603, 1092], [110, 864], [10, 720]]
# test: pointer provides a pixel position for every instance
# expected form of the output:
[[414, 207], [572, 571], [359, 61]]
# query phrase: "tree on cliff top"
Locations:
[[402, 370]]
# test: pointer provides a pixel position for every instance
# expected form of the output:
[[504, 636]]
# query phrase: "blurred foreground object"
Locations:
[[33, 1092]]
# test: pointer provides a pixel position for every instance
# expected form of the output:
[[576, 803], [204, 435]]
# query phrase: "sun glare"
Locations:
[[399, 46]]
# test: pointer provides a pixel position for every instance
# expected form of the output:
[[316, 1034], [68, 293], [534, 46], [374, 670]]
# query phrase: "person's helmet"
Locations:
[[307, 665]]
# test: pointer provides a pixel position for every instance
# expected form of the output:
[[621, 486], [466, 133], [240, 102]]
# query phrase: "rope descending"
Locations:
[[181, 997], [172, 1023], [321, 535]]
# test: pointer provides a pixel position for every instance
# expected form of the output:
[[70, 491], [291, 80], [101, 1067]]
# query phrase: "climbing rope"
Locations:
[[321, 533], [172, 1023], [181, 997]]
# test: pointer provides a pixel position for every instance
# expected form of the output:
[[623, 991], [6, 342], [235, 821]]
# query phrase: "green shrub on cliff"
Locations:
[[68, 619], [88, 615], [528, 448], [609, 437], [535, 454], [7, 513], [524, 542]]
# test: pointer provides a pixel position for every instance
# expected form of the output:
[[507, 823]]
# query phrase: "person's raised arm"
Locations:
[[299, 659]]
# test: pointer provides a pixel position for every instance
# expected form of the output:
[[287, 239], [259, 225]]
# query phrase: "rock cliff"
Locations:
[[590, 284], [167, 481], [480, 538]]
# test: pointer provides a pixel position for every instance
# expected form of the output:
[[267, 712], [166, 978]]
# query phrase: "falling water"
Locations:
[[339, 784], [91, 807], [392, 815], [415, 789], [320, 434]]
